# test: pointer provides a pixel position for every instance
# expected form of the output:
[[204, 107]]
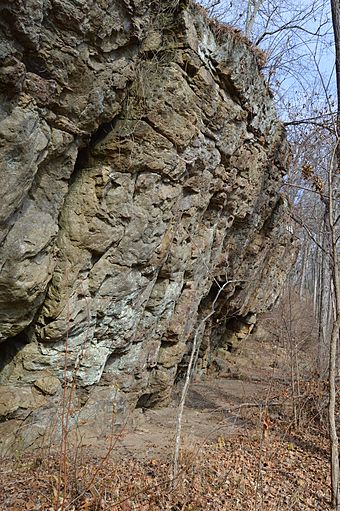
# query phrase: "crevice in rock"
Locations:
[[190, 69], [101, 132], [84, 153], [95, 258], [147, 401], [113, 358], [8, 351], [35, 64], [229, 87], [159, 131]]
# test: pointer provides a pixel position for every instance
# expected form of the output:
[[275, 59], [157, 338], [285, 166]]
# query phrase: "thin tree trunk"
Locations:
[[335, 6], [316, 275], [331, 417], [323, 285], [304, 261], [334, 339], [189, 373], [251, 15], [332, 360]]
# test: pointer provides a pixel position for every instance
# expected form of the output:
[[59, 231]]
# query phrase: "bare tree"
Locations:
[[332, 224], [333, 347]]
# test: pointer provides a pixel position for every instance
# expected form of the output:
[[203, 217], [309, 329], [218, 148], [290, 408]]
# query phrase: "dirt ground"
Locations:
[[215, 408], [221, 405]]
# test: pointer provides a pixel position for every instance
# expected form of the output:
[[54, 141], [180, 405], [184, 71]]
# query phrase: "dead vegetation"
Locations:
[[283, 470]]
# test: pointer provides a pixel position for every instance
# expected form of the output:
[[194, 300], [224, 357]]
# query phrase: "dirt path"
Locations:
[[214, 409]]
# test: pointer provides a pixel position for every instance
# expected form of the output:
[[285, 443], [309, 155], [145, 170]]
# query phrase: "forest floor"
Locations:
[[241, 450]]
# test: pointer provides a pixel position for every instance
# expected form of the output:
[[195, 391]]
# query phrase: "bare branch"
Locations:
[[303, 188], [308, 230], [290, 27]]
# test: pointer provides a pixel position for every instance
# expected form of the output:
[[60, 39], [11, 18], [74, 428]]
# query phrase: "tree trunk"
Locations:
[[333, 355], [304, 262], [335, 6], [251, 15]]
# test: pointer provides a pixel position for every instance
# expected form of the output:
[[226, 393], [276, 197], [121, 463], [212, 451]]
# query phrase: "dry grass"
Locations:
[[221, 30]]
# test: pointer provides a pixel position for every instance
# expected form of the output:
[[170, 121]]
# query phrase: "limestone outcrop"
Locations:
[[141, 167]]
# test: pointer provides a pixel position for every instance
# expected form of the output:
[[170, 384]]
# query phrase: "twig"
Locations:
[[195, 348]]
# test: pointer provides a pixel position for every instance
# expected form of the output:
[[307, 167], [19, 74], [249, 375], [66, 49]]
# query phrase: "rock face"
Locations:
[[141, 163]]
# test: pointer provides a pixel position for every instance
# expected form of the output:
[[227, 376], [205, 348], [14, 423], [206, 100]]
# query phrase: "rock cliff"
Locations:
[[141, 166]]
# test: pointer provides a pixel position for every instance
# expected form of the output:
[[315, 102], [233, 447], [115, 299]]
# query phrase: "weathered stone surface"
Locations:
[[142, 162], [48, 385], [16, 399]]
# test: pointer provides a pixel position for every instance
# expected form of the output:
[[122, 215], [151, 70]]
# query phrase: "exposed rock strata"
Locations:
[[141, 166]]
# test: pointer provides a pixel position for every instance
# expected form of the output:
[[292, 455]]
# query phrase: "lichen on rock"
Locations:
[[142, 161]]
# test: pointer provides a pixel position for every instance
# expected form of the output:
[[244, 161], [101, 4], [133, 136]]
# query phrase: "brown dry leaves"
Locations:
[[243, 473]]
